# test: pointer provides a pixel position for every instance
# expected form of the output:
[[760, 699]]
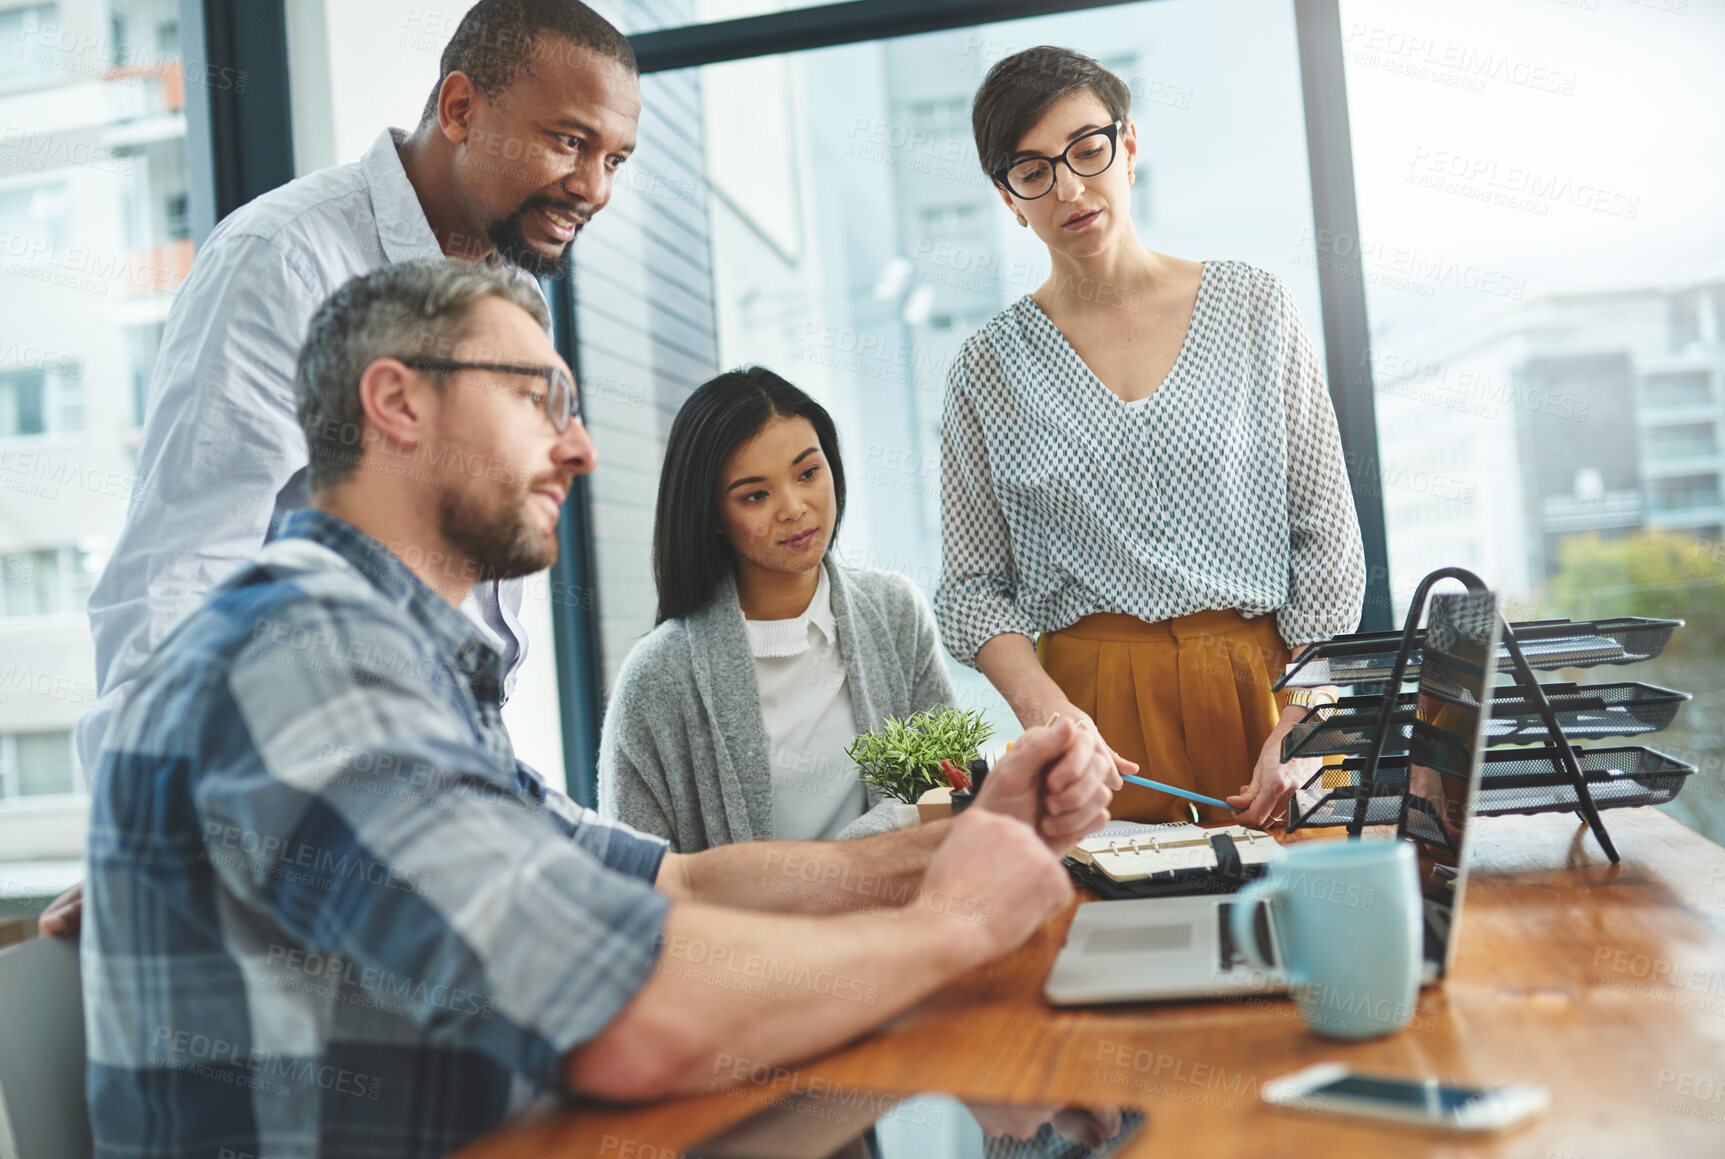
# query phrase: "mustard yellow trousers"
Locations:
[[1188, 699]]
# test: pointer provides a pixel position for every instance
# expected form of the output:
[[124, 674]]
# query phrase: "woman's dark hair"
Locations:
[[689, 560], [1018, 90]]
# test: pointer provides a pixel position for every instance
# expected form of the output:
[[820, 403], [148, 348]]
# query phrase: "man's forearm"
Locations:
[[809, 877], [746, 990], [764, 989]]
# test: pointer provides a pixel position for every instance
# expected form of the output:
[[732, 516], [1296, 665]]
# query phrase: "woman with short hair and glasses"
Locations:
[[1141, 471]]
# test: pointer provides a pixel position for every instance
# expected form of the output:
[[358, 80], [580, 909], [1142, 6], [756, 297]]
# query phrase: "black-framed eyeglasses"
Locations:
[[559, 397], [1031, 177]]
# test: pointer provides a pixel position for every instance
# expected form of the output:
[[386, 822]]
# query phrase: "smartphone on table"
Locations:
[[1335, 1089]]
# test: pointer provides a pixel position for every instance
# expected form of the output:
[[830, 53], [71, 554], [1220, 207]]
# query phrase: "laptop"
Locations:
[[1172, 948]]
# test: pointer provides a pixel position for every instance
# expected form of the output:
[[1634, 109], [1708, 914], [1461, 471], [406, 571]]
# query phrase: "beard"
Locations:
[[511, 243], [498, 537]]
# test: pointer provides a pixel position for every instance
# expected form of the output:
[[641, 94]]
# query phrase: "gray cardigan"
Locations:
[[684, 748]]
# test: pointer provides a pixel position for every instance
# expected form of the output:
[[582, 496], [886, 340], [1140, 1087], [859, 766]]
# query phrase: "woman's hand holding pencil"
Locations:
[[1159, 786]]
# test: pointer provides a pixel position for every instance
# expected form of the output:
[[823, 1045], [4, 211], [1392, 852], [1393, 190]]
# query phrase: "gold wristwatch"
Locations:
[[1310, 697]]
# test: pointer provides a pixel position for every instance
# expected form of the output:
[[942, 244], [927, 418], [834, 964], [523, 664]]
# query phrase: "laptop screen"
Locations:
[[1445, 757]]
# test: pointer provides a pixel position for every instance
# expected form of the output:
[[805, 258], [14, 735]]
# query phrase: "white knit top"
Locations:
[[806, 708]]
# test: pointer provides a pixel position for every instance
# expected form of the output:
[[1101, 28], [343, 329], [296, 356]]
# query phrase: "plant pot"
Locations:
[[934, 804]]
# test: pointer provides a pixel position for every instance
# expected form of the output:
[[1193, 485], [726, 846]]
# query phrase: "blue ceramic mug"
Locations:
[[1347, 917]]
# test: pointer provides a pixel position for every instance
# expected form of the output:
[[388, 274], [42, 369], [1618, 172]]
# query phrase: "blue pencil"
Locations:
[[1161, 788]]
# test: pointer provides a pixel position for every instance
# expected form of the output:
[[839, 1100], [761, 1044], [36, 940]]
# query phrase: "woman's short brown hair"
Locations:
[[1018, 90]]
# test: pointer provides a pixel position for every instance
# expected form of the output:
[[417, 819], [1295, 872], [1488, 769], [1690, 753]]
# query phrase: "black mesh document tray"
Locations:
[[1588, 711], [1512, 781], [1409, 755], [1546, 644]]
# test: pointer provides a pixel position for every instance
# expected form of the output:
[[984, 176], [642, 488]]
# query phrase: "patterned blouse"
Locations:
[[1225, 488]]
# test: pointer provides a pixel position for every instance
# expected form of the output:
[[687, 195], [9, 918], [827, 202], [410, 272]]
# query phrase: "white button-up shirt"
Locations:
[[223, 458]]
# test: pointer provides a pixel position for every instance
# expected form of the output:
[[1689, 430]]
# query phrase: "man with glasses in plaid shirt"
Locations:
[[329, 913]]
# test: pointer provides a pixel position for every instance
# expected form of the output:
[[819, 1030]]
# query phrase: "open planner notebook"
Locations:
[[1127, 851]]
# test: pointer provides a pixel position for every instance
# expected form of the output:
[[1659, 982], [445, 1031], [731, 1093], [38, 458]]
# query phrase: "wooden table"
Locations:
[[1605, 983]]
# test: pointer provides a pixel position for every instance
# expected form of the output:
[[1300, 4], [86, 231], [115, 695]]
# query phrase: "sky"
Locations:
[[1552, 145], [1522, 146]]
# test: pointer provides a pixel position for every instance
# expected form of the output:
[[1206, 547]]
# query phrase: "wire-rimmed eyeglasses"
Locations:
[[559, 396]]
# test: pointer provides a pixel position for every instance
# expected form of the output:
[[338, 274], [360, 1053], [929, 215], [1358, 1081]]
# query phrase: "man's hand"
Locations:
[[1057, 780], [995, 880], [64, 914]]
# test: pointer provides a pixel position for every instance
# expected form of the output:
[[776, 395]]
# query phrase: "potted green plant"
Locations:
[[903, 758]]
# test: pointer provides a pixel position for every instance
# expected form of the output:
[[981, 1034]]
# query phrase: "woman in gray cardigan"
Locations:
[[730, 719]]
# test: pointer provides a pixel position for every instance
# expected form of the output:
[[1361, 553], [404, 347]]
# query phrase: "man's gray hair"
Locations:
[[411, 310]]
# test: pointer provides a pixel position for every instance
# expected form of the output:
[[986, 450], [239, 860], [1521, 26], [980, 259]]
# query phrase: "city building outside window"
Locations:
[[94, 190], [1554, 312]]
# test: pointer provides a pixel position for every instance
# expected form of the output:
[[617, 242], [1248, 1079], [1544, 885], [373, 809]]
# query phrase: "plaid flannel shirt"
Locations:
[[327, 911]]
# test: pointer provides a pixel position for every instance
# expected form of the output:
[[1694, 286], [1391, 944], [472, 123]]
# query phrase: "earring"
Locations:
[[1022, 222], [1131, 176]]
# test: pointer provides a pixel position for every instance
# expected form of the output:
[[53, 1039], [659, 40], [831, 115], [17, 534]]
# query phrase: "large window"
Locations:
[[1547, 318], [823, 213], [1541, 248], [93, 242]]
